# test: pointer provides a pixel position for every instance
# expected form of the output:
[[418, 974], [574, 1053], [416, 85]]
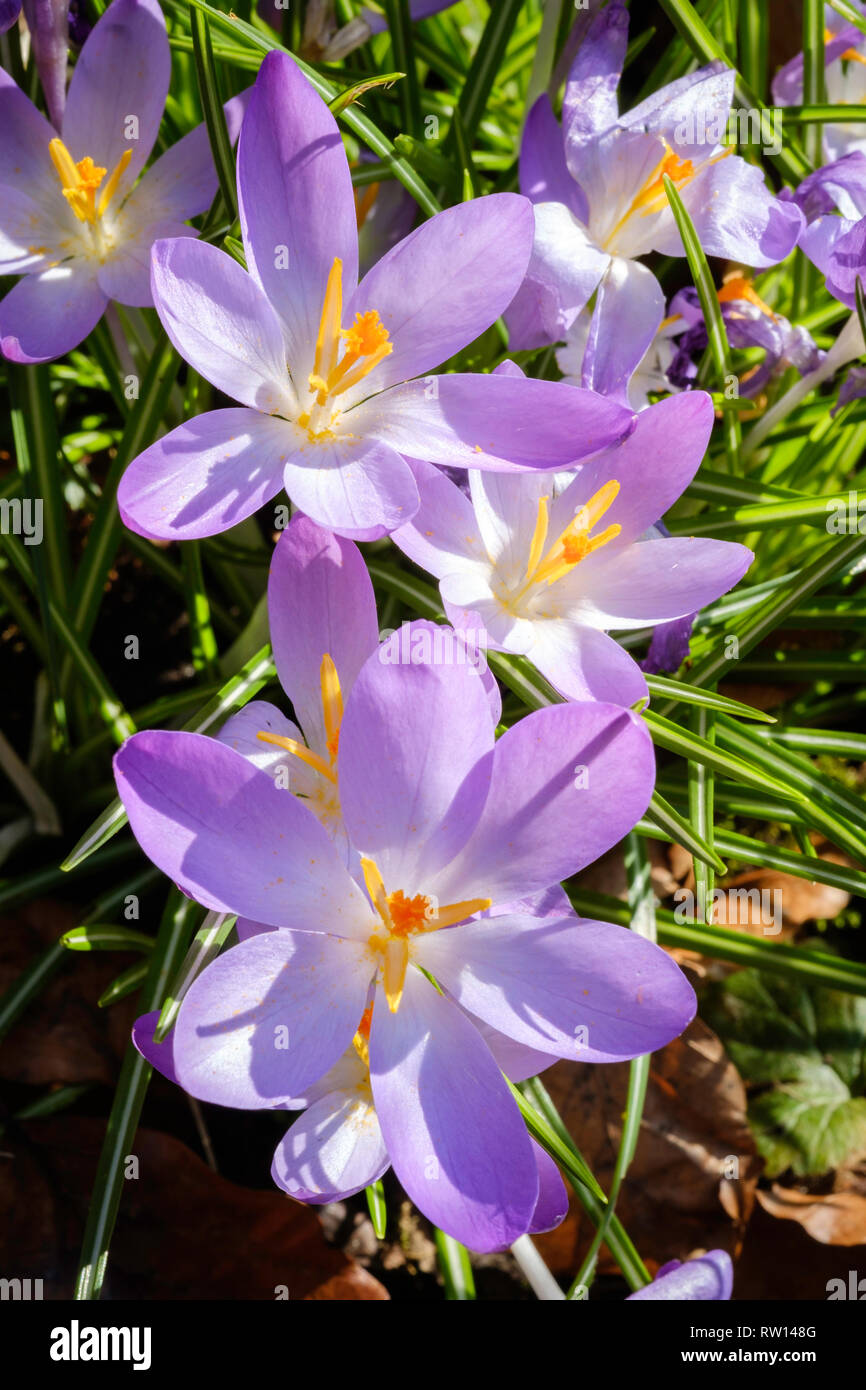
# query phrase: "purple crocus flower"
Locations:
[[845, 78], [73, 222], [322, 617], [448, 823], [327, 410], [337, 1148], [547, 575], [600, 203], [650, 374], [707, 1277], [749, 322]]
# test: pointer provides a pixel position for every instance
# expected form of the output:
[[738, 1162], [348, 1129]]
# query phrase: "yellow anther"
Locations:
[[300, 750], [367, 343], [539, 537], [575, 542], [80, 181], [736, 285], [332, 704]]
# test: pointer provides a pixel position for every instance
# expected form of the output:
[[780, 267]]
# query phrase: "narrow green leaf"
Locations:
[[375, 1195], [455, 1268], [102, 936], [211, 105], [126, 983]]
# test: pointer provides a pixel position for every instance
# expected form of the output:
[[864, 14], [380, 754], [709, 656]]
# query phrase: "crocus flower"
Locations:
[[325, 405], [322, 617], [845, 78], [600, 202], [840, 185], [749, 322], [73, 221], [336, 1149], [707, 1277], [548, 574], [448, 823]]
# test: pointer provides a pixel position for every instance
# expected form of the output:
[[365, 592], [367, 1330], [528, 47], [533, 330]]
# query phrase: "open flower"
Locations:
[[548, 574], [320, 366], [337, 1148], [448, 823], [73, 221], [322, 618], [600, 202], [845, 78]]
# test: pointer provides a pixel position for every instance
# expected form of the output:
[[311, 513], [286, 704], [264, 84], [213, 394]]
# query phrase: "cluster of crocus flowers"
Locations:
[[76, 222], [597, 183], [332, 376], [844, 78], [448, 827]]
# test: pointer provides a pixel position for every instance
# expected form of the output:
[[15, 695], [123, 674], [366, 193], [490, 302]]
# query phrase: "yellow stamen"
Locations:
[[652, 197], [575, 542], [110, 188], [376, 889], [367, 343], [80, 181], [332, 704], [300, 750], [403, 917], [395, 965], [539, 536]]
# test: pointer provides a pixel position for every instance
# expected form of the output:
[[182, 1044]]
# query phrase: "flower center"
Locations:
[[366, 344], [850, 55], [403, 917], [652, 197], [332, 710], [81, 181], [736, 285], [573, 545]]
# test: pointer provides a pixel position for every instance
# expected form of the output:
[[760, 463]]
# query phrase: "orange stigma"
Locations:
[[575, 542], [332, 714], [367, 343], [403, 917]]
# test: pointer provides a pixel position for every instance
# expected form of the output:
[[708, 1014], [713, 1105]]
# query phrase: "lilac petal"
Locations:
[[564, 269], [496, 422], [506, 510], [513, 1058], [320, 600], [25, 163], [233, 840], [159, 1055], [412, 732], [590, 105], [294, 193], [589, 991], [629, 307], [655, 581], [183, 181], [582, 663], [841, 185], [269, 1016], [357, 486], [689, 113], [455, 1136], [549, 809], [551, 1208], [787, 85], [122, 70], [736, 216], [220, 321], [544, 175], [444, 284], [205, 476], [48, 22], [840, 252], [333, 1150], [443, 534], [50, 313], [709, 1277], [28, 232], [125, 275], [669, 646], [651, 475], [9, 12], [241, 731]]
